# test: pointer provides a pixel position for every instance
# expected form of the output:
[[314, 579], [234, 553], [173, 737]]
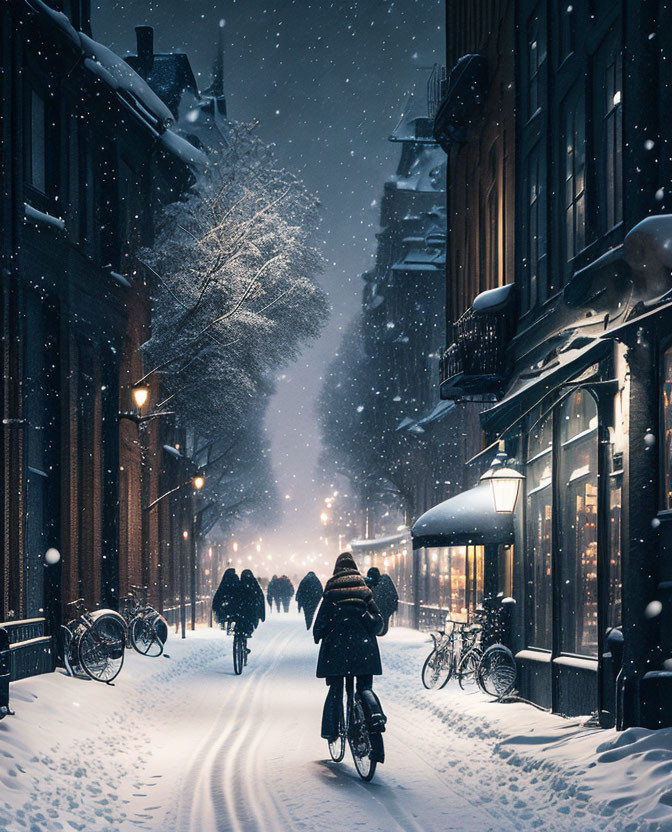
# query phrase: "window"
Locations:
[[577, 529], [536, 56], [492, 277], [539, 481], [574, 173], [612, 156], [451, 581], [37, 172], [535, 236], [614, 609], [567, 30]]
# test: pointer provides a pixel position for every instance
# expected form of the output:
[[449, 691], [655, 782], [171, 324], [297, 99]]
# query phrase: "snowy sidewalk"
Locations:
[[182, 744]]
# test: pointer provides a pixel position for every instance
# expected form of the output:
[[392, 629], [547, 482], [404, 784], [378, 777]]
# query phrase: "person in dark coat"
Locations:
[[286, 591], [252, 609], [226, 600], [385, 594], [308, 596], [347, 624], [272, 593]]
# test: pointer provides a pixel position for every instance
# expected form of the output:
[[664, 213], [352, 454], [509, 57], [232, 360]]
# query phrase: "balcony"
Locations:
[[476, 362]]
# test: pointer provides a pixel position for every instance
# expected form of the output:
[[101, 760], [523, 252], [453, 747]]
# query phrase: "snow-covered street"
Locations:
[[180, 743]]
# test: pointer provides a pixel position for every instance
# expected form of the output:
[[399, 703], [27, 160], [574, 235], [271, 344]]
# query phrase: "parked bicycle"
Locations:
[[366, 746], [147, 628], [473, 651], [93, 643], [456, 652]]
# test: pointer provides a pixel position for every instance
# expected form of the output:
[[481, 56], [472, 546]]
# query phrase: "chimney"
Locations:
[[145, 41]]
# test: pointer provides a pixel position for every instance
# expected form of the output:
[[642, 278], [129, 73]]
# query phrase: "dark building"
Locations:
[[87, 158], [576, 353]]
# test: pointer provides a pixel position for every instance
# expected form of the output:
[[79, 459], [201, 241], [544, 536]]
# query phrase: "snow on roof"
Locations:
[[492, 298], [183, 149], [61, 20], [121, 77]]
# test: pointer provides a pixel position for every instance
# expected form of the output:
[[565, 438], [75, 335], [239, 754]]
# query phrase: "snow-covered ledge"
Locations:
[[33, 215]]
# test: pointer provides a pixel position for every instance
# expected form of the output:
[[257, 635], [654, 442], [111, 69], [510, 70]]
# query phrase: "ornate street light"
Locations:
[[505, 483]]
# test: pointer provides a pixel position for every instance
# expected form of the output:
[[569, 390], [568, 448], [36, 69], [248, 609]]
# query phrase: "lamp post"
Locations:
[[505, 483], [197, 481]]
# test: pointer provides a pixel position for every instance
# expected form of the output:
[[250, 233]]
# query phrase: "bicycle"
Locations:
[[366, 746], [147, 628], [93, 642], [455, 652]]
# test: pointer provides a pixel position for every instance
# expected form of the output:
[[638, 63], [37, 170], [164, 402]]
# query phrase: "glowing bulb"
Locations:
[[140, 396], [199, 482]]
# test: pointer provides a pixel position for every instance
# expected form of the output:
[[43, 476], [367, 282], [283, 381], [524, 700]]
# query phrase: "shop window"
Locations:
[[574, 173], [577, 529], [667, 426], [539, 514], [614, 609], [452, 581]]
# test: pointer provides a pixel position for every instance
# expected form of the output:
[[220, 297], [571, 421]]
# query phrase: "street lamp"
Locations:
[[505, 483], [198, 481]]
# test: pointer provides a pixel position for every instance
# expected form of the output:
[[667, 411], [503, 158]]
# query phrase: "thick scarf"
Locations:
[[346, 586]]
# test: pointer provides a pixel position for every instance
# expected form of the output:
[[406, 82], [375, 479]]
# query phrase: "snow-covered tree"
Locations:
[[236, 292]]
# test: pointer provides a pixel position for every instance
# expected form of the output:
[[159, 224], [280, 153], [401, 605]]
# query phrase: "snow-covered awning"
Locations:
[[380, 543], [466, 519]]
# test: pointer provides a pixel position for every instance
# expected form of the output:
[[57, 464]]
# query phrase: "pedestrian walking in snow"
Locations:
[[385, 594], [272, 595], [308, 596], [347, 624], [285, 591]]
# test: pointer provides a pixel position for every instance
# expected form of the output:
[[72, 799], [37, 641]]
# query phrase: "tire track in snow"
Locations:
[[219, 785]]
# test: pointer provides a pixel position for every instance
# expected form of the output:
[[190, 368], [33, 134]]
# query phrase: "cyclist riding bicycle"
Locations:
[[226, 600], [347, 624]]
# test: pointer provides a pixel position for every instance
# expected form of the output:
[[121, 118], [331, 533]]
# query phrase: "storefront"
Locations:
[[462, 551], [392, 555]]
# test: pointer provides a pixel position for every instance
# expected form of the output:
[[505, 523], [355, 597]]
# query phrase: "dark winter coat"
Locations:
[[272, 591], [385, 594], [347, 624], [284, 588], [308, 596], [252, 608], [227, 598]]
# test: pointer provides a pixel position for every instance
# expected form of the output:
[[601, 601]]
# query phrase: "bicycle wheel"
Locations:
[[66, 645], [438, 668], [238, 653], [497, 672], [468, 665], [144, 637], [101, 649], [337, 747], [360, 741]]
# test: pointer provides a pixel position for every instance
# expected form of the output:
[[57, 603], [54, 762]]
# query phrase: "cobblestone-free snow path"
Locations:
[[182, 744]]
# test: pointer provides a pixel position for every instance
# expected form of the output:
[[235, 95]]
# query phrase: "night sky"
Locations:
[[328, 83]]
